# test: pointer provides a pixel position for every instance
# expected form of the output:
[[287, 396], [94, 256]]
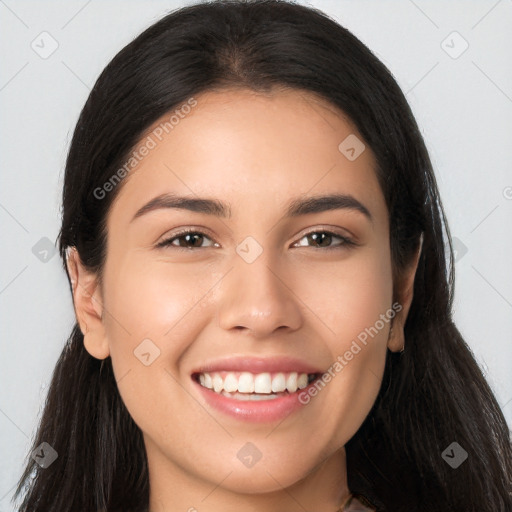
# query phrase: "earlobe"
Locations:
[[396, 340], [88, 305]]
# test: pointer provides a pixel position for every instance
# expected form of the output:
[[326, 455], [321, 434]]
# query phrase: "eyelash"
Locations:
[[346, 242]]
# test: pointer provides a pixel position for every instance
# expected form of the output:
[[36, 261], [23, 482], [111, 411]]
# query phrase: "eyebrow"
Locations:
[[295, 208]]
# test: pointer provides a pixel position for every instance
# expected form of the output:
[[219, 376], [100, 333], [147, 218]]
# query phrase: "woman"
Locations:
[[295, 349]]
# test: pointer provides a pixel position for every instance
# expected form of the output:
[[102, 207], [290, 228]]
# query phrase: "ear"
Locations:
[[404, 293], [88, 305]]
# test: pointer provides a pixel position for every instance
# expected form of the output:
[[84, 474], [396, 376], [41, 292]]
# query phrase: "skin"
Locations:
[[255, 152]]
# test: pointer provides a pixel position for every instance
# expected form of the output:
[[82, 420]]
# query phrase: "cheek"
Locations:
[[156, 299], [365, 322], [156, 308], [349, 296], [357, 309]]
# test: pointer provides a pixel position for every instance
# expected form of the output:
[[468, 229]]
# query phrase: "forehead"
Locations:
[[250, 150]]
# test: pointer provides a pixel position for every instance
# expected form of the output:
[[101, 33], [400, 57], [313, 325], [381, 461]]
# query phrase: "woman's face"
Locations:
[[257, 295]]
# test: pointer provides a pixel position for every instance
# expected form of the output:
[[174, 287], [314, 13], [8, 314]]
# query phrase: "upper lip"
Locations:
[[256, 365]]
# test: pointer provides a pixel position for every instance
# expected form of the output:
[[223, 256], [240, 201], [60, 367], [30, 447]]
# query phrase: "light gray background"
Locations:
[[463, 106]]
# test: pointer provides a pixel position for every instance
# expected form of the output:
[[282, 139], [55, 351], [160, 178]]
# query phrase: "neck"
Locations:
[[172, 488]]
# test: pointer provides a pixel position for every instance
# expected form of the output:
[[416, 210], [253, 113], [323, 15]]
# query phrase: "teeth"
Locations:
[[279, 382], [257, 384], [262, 383], [246, 383], [248, 396], [230, 383], [291, 382], [218, 383], [302, 381]]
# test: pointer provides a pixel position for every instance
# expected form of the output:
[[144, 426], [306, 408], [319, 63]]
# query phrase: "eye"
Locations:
[[192, 239], [323, 239], [189, 237]]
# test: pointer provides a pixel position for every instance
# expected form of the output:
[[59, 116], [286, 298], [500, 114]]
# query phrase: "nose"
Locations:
[[258, 297]]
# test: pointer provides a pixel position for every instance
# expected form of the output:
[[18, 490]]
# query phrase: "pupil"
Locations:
[[189, 235], [315, 236]]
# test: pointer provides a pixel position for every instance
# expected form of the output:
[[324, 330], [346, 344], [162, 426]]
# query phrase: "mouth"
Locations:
[[248, 386], [255, 388]]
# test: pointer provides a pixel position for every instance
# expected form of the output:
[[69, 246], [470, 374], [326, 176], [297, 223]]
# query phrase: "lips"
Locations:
[[258, 365], [255, 388]]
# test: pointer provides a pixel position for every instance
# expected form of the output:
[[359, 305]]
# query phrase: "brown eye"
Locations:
[[323, 239], [193, 239], [186, 240]]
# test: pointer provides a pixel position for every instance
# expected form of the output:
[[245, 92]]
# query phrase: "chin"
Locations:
[[261, 480]]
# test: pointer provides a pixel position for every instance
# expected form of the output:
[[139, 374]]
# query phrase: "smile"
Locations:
[[252, 386], [255, 389]]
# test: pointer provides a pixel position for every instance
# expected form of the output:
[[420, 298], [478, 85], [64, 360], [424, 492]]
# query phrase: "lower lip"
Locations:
[[260, 411]]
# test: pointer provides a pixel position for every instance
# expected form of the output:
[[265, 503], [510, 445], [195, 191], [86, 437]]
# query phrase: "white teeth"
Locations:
[[302, 381], [230, 383], [279, 382], [261, 384], [246, 383], [248, 396], [218, 383], [291, 382]]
